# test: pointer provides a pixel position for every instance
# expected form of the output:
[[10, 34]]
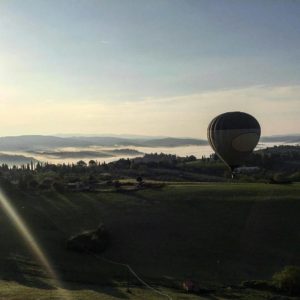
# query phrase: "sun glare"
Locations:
[[32, 243]]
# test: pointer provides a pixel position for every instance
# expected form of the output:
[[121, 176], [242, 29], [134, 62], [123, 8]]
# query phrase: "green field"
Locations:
[[217, 234]]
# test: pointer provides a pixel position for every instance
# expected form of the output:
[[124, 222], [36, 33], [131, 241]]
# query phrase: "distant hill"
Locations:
[[29, 142], [48, 143], [41, 142], [88, 154], [295, 138], [171, 142], [157, 142], [17, 160]]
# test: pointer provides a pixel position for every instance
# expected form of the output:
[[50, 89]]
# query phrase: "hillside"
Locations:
[[213, 233]]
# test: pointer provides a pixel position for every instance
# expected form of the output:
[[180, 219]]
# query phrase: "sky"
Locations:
[[159, 67]]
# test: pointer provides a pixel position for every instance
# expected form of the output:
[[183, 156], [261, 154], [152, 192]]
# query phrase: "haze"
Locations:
[[147, 67]]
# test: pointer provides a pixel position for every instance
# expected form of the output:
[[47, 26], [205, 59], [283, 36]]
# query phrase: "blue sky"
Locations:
[[110, 66]]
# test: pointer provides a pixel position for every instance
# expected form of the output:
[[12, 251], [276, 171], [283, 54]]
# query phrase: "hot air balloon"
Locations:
[[233, 136]]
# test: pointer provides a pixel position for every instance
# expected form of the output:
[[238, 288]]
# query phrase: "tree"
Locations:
[[92, 163], [140, 181], [81, 163]]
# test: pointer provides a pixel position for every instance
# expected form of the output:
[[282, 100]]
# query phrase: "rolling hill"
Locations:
[[41, 142]]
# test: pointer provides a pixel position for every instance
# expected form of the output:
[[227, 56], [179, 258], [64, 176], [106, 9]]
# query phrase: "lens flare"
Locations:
[[32, 244]]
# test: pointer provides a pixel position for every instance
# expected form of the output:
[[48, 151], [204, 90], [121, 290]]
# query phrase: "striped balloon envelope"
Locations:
[[233, 136]]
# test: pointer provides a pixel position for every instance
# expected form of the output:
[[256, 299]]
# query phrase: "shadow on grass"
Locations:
[[18, 270], [109, 289], [24, 272]]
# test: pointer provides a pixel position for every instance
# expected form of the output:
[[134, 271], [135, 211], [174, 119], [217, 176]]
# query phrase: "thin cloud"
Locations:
[[277, 109]]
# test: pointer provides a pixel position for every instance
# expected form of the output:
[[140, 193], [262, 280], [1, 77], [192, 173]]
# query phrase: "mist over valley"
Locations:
[[18, 150]]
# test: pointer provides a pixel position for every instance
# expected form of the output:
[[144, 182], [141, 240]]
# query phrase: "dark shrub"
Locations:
[[261, 285], [288, 280], [58, 186], [117, 184], [280, 178], [33, 184], [95, 241]]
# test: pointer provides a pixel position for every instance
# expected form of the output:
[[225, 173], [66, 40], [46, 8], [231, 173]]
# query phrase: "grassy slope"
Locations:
[[15, 291], [220, 233]]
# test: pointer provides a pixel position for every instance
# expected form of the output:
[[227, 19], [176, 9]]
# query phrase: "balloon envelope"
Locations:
[[233, 136]]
